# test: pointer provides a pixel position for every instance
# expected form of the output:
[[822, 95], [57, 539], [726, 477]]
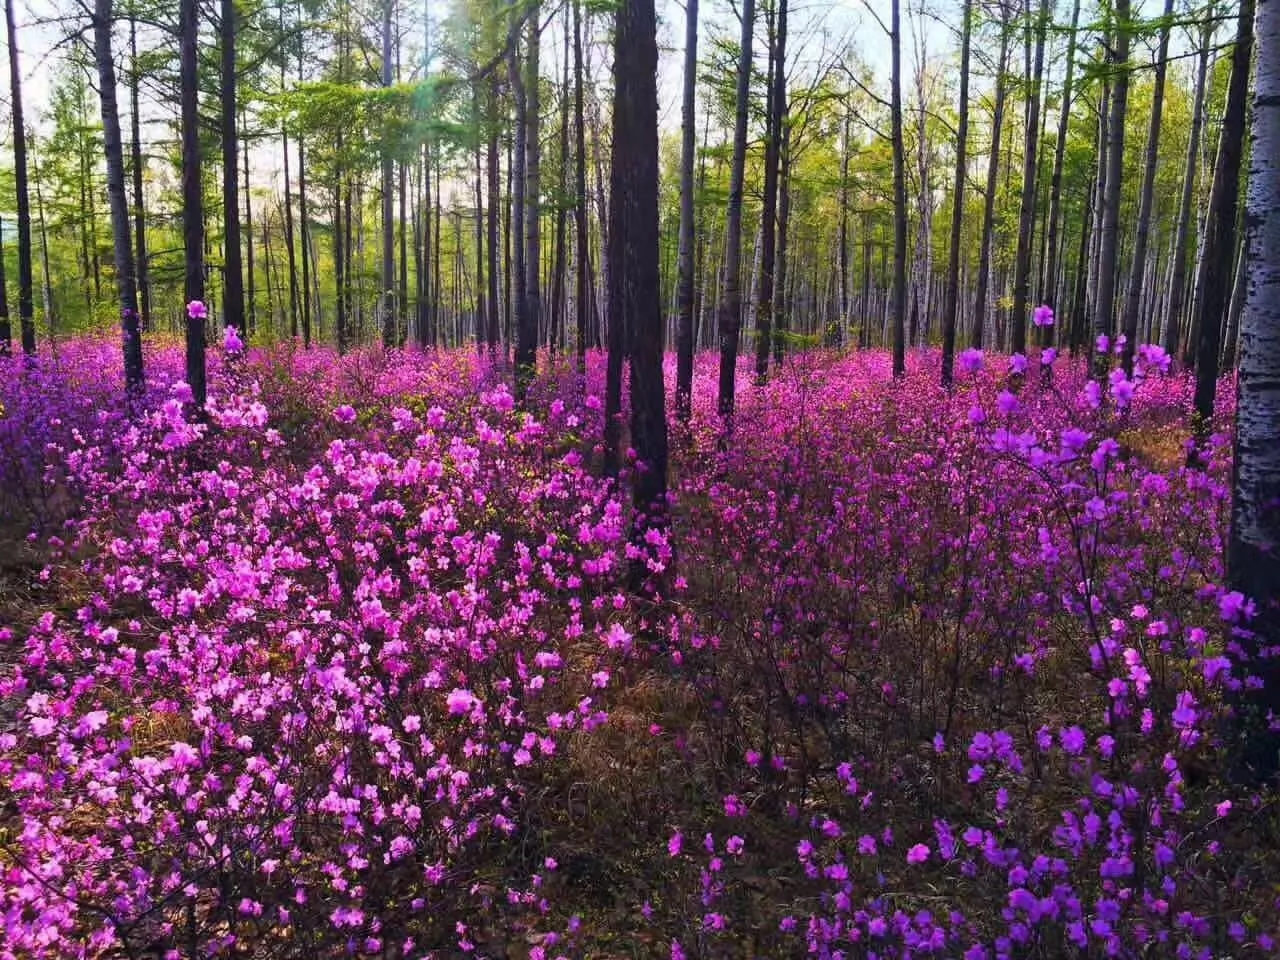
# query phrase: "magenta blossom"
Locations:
[[196, 310], [1042, 316]]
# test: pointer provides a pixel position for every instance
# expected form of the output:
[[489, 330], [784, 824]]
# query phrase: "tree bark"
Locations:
[[26, 305], [777, 111], [1027, 214], [387, 296], [633, 252], [899, 199], [233, 271], [978, 329], [1108, 254], [730, 312], [527, 345], [1182, 231], [192, 194], [951, 299], [113, 148], [685, 281], [1221, 229], [141, 267], [1136, 275], [1051, 291], [1252, 564]]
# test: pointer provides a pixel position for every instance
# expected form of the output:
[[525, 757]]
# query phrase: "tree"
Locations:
[[978, 330], [1220, 229], [1027, 215], [1050, 291], [1110, 240], [951, 299], [776, 111], [113, 147], [1129, 323], [232, 269], [730, 310], [192, 196], [684, 325], [26, 315], [634, 296], [1182, 230], [1252, 565], [387, 297], [899, 199]]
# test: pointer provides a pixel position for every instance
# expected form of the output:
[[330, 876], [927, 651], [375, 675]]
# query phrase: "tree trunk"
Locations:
[[730, 313], [141, 267], [526, 362], [1130, 316], [26, 306], [1108, 254], [562, 190], [1050, 290], [1220, 233], [844, 220], [1027, 215], [989, 200], [233, 272], [113, 149], [250, 294], [685, 282], [481, 324], [1227, 360], [526, 334], [192, 194], [776, 116], [588, 322], [339, 265], [495, 185], [1182, 232], [633, 252], [1252, 565], [782, 309], [6, 330], [951, 299], [386, 295], [899, 199]]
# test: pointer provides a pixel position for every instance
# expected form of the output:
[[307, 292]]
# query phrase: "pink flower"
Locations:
[[1042, 316], [196, 310], [918, 854]]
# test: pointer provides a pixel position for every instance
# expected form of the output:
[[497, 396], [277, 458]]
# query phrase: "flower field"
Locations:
[[350, 667]]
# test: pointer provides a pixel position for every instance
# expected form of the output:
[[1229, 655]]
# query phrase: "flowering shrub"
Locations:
[[351, 671]]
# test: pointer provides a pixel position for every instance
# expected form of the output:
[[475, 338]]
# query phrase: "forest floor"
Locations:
[[352, 669]]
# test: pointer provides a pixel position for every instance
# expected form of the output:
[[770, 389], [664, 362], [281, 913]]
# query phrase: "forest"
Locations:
[[614, 479]]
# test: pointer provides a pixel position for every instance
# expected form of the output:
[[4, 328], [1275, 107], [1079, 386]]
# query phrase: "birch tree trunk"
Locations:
[[1253, 567], [1108, 253]]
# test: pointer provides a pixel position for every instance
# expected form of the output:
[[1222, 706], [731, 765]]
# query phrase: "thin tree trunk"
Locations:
[[193, 235], [1178, 280], [26, 306], [526, 358], [1130, 316], [250, 294], [495, 184], [588, 322], [844, 212], [1050, 290], [730, 313], [776, 116], [141, 267], [899, 198], [232, 270], [1108, 254], [1220, 233], [951, 299], [386, 296], [782, 302], [113, 148], [993, 170], [481, 324], [562, 189], [1027, 216], [6, 330], [688, 134]]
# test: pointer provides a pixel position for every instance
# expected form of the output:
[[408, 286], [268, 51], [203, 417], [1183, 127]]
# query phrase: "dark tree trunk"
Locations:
[[233, 271], [386, 296], [1221, 230], [1182, 232], [1129, 323], [899, 199], [141, 267], [634, 296], [113, 148], [192, 194], [526, 333], [1050, 291], [781, 298], [1108, 254], [6, 331], [844, 221], [495, 187], [527, 352], [481, 319], [685, 281], [730, 312], [339, 265], [978, 330], [951, 299], [288, 241], [562, 191], [776, 108], [26, 306], [250, 294], [1027, 215], [588, 322]]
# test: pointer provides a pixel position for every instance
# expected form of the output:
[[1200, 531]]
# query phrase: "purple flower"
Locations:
[[918, 854], [196, 310], [1042, 316], [1018, 363], [971, 360]]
